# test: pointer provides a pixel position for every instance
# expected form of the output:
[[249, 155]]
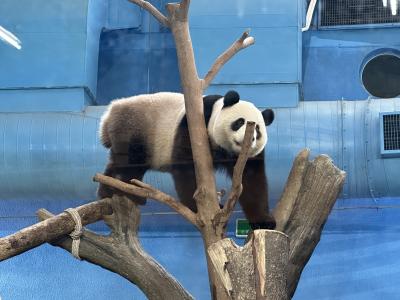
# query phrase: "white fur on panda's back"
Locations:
[[171, 108], [153, 117]]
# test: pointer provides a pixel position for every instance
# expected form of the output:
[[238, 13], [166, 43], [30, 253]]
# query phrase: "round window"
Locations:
[[381, 75]]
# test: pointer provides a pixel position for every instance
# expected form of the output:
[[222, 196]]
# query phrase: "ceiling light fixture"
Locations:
[[9, 38]]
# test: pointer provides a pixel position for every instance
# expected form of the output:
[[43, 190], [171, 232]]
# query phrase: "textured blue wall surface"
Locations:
[[143, 59], [60, 42], [65, 146], [333, 59], [134, 63]]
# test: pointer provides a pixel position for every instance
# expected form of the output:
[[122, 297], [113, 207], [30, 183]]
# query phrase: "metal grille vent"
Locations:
[[355, 12], [391, 132]]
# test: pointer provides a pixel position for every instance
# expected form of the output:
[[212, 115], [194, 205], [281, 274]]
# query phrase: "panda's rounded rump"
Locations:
[[151, 119]]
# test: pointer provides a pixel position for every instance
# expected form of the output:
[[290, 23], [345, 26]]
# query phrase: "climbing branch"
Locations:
[[141, 189], [121, 252], [37, 234], [222, 217], [152, 10], [243, 42], [236, 189]]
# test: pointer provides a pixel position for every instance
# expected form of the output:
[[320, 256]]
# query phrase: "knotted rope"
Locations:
[[77, 233]]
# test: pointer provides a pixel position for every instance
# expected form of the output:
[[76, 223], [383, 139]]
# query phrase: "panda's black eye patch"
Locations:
[[258, 132], [235, 126]]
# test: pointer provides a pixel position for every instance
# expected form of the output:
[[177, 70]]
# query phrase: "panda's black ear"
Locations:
[[231, 98], [268, 116]]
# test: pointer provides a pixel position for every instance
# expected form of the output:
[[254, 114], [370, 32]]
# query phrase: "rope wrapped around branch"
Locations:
[[77, 233]]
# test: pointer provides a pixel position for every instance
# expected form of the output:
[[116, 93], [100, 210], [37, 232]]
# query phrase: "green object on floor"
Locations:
[[242, 228]]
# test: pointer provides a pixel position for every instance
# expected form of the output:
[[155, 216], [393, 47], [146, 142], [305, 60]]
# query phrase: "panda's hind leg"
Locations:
[[103, 190], [126, 174], [185, 185], [126, 162]]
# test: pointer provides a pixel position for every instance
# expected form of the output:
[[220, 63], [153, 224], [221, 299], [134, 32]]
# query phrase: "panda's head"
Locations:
[[227, 124]]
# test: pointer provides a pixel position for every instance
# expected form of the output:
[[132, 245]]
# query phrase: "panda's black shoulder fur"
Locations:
[[208, 102]]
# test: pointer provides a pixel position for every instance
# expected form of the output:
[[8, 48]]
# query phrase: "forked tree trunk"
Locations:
[[310, 193], [206, 192]]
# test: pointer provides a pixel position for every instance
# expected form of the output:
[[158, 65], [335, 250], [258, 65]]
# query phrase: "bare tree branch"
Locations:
[[122, 253], [243, 42], [141, 189], [42, 232], [152, 10], [238, 169], [184, 9], [222, 217]]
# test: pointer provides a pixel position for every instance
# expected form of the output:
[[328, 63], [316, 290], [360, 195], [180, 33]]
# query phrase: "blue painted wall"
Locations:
[[333, 59], [143, 59], [60, 42], [134, 63], [317, 65]]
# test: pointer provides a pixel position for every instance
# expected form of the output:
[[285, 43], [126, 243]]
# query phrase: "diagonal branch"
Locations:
[[243, 42], [223, 215], [152, 10], [141, 189], [45, 231]]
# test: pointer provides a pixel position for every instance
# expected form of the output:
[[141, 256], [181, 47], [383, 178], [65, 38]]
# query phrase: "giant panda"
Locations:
[[150, 132]]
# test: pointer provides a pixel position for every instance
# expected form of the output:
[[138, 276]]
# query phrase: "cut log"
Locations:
[[310, 193], [255, 271]]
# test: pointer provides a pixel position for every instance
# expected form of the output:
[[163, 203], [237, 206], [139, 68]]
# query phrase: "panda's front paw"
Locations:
[[269, 224]]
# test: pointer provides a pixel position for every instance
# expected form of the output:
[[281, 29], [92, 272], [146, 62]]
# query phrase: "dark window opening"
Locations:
[[381, 76], [355, 12]]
